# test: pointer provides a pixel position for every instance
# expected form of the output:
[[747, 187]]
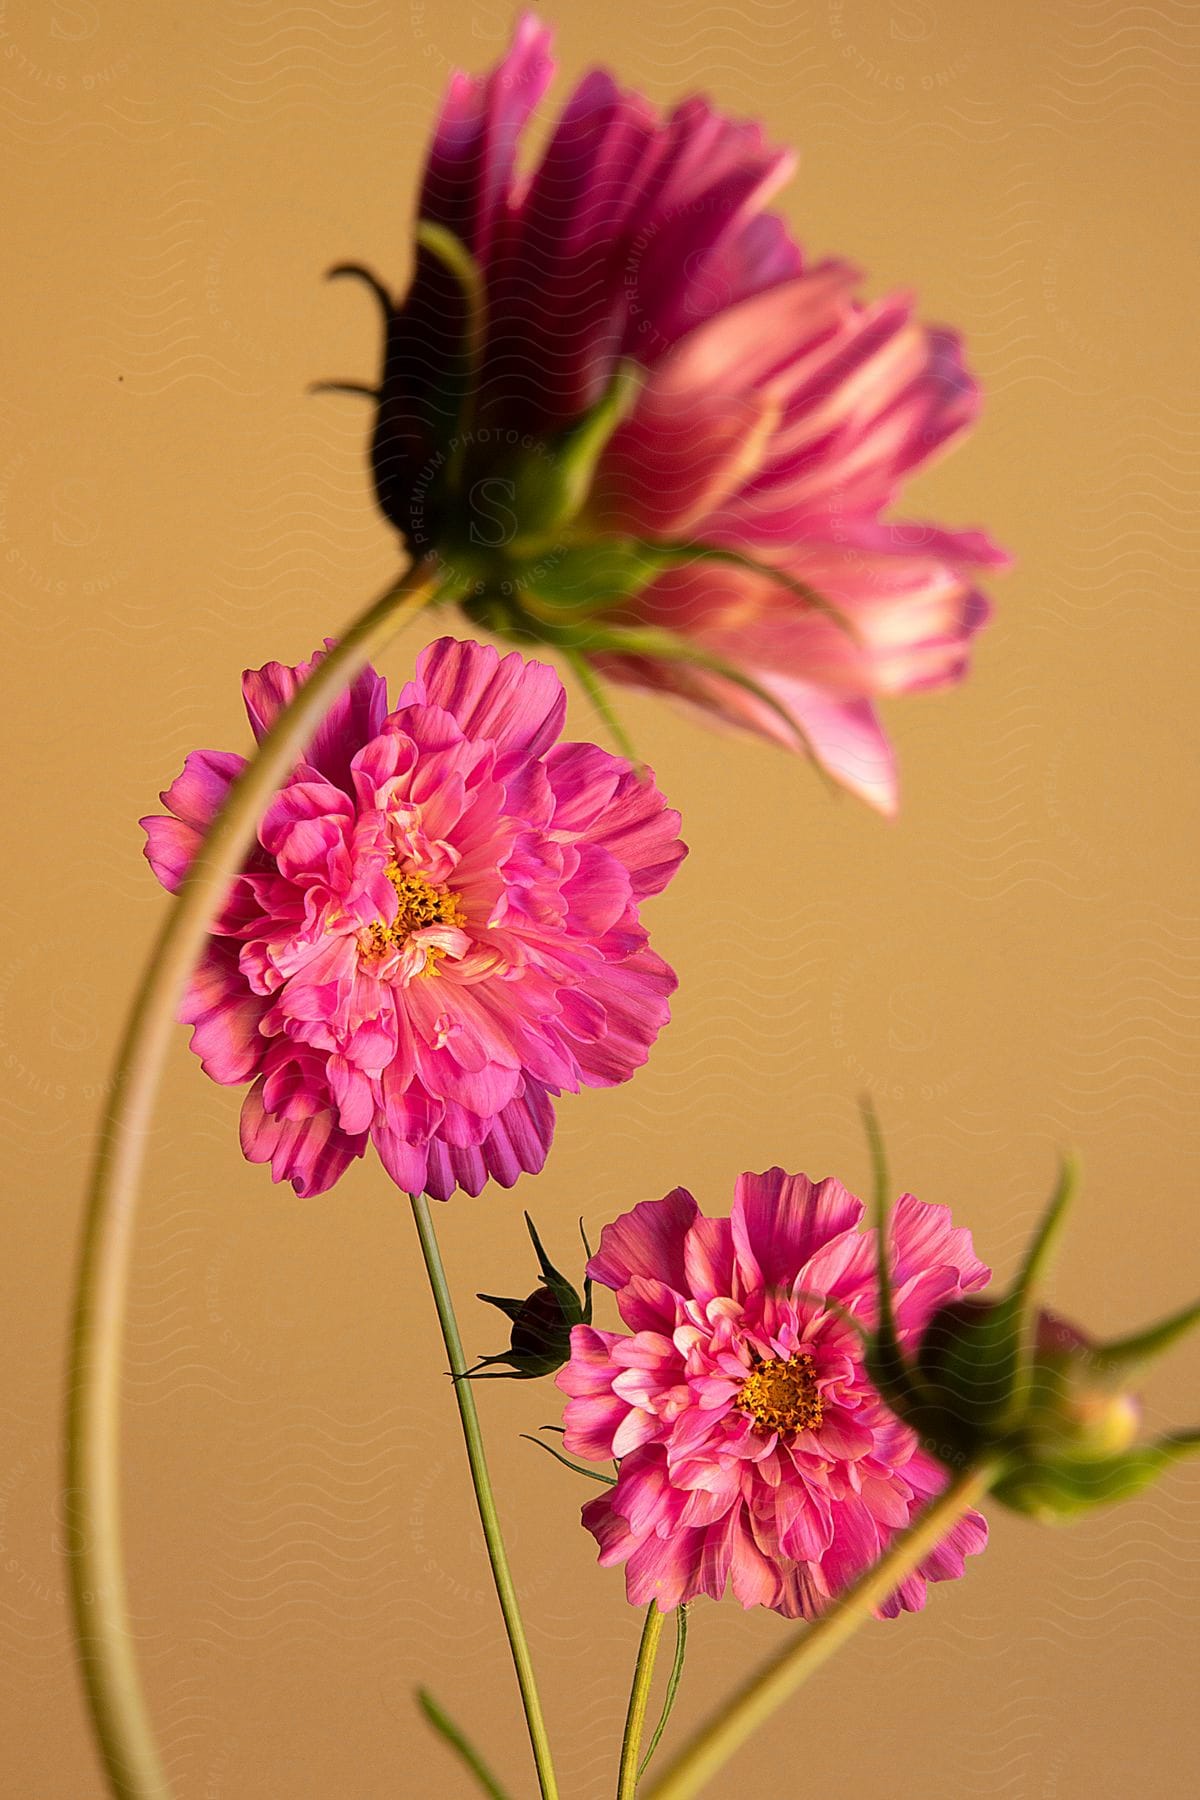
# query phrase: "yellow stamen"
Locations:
[[782, 1396], [419, 903]]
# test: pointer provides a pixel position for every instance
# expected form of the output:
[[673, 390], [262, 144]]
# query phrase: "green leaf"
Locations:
[[459, 386], [673, 1680], [460, 1744], [562, 586], [592, 1475], [1066, 1489], [1046, 1237], [1125, 1356]]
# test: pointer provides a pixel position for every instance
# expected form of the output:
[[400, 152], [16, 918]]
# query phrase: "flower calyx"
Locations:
[[1008, 1382], [540, 1342]]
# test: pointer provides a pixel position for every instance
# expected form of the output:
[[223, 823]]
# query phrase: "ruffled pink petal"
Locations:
[[198, 793], [779, 1221], [924, 1237], [516, 706], [195, 797], [226, 1017], [648, 1241], [618, 808], [312, 1152], [470, 169], [354, 717], [634, 994]]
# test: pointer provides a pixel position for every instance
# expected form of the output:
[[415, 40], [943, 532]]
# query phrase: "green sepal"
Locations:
[[886, 1362], [542, 1322], [1045, 1240], [1065, 1489], [1127, 1356], [579, 1469], [552, 484], [558, 590], [452, 401]]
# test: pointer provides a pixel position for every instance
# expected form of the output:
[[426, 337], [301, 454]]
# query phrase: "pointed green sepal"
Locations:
[[886, 1362], [579, 1469], [681, 555], [1046, 1238], [542, 1322], [552, 484], [451, 401], [1127, 1356], [1066, 1489]]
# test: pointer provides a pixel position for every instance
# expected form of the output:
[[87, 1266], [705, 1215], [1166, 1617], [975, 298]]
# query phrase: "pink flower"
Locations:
[[752, 1446], [774, 418], [439, 929]]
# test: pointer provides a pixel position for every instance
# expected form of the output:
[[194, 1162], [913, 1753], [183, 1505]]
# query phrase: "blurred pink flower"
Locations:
[[752, 1447], [438, 931], [775, 416]]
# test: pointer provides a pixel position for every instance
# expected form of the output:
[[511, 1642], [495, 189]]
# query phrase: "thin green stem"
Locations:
[[485, 1501], [103, 1631], [673, 1681], [639, 1700], [779, 1678], [461, 1744]]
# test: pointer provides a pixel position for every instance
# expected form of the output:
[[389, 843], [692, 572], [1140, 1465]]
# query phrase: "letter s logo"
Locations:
[[913, 22], [906, 1005], [75, 22], [487, 498], [76, 506]]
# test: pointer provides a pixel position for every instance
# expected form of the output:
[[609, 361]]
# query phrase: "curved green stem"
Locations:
[[673, 1681], [485, 1500], [639, 1700], [96, 1568], [779, 1678]]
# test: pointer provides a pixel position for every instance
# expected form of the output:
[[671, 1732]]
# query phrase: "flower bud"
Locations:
[[1005, 1381], [540, 1341]]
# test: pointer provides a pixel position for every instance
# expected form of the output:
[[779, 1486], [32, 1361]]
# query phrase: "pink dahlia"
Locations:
[[751, 1445], [627, 345], [438, 931]]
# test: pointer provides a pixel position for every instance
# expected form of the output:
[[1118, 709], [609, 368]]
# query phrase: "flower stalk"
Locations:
[[485, 1500], [639, 1700], [779, 1678], [96, 1572]]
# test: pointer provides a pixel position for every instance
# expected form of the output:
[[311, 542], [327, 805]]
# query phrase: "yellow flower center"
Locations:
[[419, 903], [782, 1396]]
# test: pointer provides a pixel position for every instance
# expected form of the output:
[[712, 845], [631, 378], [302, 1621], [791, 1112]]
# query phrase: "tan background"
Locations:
[[1012, 967]]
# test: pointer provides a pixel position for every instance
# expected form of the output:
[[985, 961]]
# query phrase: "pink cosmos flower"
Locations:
[[438, 931], [775, 416], [752, 1447]]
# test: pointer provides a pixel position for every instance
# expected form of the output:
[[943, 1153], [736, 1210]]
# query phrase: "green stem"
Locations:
[[485, 1500], [461, 1744], [779, 1678], [639, 1700], [103, 1631], [673, 1681]]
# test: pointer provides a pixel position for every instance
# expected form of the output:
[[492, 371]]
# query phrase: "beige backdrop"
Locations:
[[1012, 967]]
